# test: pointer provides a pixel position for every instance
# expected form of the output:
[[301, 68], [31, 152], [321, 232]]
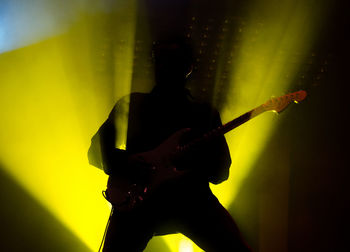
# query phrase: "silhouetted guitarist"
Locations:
[[183, 205]]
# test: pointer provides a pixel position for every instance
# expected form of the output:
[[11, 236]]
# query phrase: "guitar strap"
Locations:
[[107, 225]]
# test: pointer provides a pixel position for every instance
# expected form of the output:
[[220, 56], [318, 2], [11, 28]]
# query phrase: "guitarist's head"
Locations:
[[173, 62]]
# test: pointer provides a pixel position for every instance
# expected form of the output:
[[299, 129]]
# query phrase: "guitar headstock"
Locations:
[[278, 104]]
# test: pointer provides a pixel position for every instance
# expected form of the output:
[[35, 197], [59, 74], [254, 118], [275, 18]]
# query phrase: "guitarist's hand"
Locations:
[[138, 166]]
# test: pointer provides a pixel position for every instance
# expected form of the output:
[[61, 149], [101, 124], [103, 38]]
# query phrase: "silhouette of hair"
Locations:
[[173, 52]]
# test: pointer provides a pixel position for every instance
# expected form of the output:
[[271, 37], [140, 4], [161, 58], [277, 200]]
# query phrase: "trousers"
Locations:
[[208, 224]]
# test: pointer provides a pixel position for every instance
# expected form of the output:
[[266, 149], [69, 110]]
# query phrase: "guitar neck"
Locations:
[[275, 104], [239, 120], [223, 129]]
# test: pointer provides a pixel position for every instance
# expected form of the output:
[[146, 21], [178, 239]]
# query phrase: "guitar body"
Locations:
[[127, 193]]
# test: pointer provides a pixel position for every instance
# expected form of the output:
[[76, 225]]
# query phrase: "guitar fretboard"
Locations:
[[223, 129]]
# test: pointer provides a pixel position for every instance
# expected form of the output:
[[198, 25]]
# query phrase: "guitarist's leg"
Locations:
[[212, 228], [127, 232]]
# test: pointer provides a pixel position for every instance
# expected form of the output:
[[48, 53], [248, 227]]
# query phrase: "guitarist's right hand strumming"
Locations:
[[147, 172]]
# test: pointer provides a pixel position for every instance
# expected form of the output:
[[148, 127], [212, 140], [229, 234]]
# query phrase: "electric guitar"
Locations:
[[126, 194]]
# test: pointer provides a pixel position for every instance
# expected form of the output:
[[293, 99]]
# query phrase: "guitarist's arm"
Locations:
[[210, 160], [217, 160], [102, 153], [116, 161], [113, 159]]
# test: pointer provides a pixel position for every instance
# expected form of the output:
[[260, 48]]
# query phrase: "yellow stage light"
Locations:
[[275, 41], [54, 102]]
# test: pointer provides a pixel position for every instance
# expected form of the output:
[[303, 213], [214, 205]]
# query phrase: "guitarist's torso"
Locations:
[[152, 119]]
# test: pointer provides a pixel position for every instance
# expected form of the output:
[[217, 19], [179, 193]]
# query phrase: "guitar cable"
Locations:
[[109, 220]]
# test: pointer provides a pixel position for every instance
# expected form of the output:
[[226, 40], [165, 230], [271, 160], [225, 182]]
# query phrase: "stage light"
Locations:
[[275, 39], [23, 23], [54, 100]]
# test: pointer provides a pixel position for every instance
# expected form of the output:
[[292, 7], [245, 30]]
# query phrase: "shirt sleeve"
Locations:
[[220, 160], [102, 152], [209, 158]]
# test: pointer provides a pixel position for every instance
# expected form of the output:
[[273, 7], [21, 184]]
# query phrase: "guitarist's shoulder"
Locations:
[[204, 109], [132, 98]]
